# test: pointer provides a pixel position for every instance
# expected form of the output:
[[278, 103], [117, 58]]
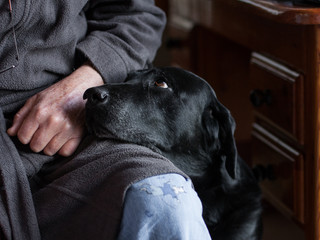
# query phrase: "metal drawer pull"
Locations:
[[264, 172], [259, 97]]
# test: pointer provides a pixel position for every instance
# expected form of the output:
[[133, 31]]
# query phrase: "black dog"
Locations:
[[177, 114]]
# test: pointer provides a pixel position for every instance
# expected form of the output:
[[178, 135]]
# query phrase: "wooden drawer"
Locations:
[[180, 42], [199, 11], [284, 183], [277, 94]]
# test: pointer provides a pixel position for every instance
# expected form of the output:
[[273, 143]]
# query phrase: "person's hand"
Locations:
[[53, 120]]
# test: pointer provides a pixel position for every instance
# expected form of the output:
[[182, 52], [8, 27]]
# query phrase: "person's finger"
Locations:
[[67, 135], [19, 117], [31, 123], [70, 147], [55, 144], [44, 135]]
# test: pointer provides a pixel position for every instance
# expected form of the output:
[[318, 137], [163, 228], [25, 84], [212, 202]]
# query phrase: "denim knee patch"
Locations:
[[169, 186], [163, 207]]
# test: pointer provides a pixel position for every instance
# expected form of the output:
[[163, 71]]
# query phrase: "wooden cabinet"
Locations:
[[277, 132], [284, 183], [181, 43], [277, 94], [262, 58]]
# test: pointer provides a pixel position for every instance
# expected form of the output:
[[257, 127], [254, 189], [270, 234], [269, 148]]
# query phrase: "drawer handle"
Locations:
[[175, 43], [264, 172], [259, 97]]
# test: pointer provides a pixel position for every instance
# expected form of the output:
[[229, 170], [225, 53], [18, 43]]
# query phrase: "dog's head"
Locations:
[[169, 110]]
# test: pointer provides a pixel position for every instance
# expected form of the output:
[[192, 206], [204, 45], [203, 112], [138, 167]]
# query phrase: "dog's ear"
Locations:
[[219, 129]]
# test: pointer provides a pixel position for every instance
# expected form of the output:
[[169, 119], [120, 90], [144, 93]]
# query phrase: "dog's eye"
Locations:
[[161, 84]]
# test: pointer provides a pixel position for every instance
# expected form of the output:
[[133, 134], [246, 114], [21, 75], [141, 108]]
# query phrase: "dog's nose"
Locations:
[[96, 94]]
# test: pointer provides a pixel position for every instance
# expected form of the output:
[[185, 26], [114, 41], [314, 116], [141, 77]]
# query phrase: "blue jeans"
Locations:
[[163, 207]]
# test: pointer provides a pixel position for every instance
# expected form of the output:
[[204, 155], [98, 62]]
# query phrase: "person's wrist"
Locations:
[[93, 72]]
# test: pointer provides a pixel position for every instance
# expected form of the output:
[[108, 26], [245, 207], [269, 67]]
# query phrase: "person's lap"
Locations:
[[84, 189]]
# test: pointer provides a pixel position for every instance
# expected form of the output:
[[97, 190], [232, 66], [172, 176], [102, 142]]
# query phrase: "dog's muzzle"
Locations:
[[96, 95]]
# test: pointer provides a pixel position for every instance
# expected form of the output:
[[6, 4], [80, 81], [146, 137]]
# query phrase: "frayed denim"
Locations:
[[163, 207]]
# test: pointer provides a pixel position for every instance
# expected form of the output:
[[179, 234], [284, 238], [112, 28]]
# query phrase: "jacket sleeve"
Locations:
[[122, 36]]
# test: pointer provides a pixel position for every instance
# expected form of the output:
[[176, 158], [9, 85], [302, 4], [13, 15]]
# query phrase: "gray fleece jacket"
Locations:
[[80, 197], [55, 37]]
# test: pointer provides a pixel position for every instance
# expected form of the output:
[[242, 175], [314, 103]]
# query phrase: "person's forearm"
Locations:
[[122, 37]]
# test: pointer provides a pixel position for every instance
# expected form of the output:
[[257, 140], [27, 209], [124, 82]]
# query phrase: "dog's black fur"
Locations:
[[177, 114]]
